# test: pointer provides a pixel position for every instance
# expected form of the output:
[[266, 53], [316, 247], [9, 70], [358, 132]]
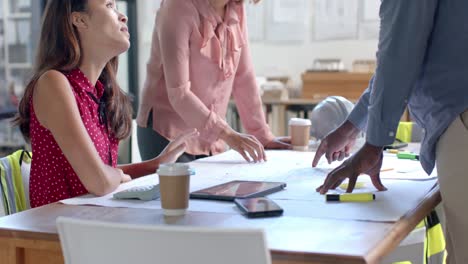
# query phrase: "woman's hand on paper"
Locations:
[[368, 160], [247, 145]]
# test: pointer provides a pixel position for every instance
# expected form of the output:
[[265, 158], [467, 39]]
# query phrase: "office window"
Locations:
[[16, 58]]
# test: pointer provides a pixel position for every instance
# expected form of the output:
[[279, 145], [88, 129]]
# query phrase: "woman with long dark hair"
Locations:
[[73, 110]]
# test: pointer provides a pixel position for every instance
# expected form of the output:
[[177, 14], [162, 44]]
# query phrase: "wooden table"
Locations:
[[31, 236]]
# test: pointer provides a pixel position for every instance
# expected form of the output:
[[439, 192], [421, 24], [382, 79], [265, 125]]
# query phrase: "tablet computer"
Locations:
[[238, 189]]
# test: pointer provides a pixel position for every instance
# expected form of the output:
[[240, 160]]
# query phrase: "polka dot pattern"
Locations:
[[52, 178]]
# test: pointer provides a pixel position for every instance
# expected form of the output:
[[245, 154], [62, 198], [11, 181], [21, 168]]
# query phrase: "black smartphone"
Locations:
[[396, 145], [258, 207]]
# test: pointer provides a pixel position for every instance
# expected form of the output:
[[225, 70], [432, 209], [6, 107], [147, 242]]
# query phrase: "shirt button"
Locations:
[[391, 134]]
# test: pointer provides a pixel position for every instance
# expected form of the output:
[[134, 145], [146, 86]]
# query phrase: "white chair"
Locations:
[[85, 241], [12, 198]]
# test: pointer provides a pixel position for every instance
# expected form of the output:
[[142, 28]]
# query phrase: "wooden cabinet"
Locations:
[[318, 85]]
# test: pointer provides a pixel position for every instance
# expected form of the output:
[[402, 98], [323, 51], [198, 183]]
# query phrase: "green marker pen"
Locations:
[[350, 197], [407, 155]]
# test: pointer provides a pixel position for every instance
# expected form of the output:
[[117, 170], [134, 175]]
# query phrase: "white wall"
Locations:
[[268, 58], [146, 13]]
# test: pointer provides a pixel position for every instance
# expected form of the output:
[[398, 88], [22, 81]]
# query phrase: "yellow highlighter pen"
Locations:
[[350, 197]]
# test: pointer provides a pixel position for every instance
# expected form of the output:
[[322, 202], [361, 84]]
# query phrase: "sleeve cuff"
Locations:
[[378, 132], [213, 127], [264, 136]]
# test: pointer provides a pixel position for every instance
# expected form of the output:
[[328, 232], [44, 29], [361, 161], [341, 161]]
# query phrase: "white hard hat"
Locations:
[[328, 115]]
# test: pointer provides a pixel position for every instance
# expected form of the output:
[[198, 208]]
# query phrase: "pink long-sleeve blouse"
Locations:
[[197, 61]]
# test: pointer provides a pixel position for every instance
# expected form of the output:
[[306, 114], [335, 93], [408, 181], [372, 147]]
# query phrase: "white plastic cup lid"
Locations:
[[299, 122], [174, 169]]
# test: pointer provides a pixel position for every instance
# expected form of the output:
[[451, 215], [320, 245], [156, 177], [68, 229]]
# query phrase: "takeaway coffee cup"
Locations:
[[174, 185], [299, 130]]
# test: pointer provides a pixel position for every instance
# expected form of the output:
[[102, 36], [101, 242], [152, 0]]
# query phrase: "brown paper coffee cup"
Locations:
[[300, 133], [174, 185]]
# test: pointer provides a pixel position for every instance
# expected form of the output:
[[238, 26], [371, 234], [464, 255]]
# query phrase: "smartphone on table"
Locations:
[[258, 207], [396, 145]]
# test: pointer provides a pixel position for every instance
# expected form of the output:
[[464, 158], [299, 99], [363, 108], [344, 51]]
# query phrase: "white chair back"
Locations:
[[14, 186], [85, 241]]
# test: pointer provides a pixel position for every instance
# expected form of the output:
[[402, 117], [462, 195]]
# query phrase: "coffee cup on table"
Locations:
[[299, 130], [174, 185]]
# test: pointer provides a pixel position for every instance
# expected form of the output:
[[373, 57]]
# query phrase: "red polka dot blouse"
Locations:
[[52, 178]]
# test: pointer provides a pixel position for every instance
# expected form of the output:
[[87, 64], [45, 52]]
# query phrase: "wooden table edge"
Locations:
[[398, 232], [405, 225]]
